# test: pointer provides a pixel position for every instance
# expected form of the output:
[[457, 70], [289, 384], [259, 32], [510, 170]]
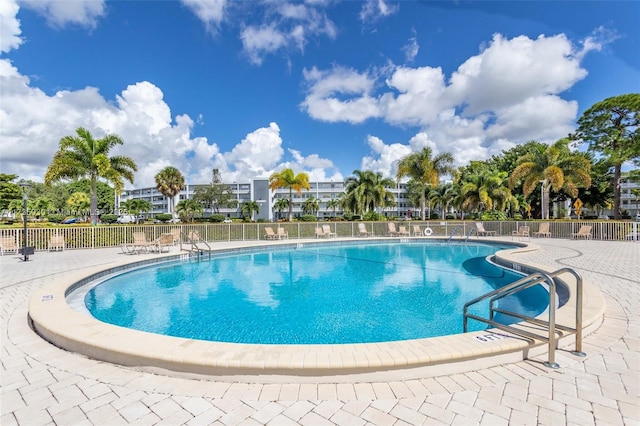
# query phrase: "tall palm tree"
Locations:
[[425, 170], [248, 207], [82, 156], [287, 179], [280, 204], [366, 191], [135, 206], [487, 189], [311, 205], [189, 208], [443, 195], [333, 204], [556, 167], [169, 181]]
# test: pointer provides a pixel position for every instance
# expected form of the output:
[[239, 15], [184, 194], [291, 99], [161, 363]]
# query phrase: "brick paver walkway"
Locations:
[[43, 385]]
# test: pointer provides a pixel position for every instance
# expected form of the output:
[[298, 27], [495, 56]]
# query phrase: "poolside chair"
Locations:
[[326, 230], [56, 242], [521, 233], [417, 232], [193, 237], [403, 231], [282, 234], [543, 230], [175, 233], [269, 234], [583, 232], [481, 232], [8, 244], [320, 233], [139, 244], [362, 230], [391, 229], [165, 241]]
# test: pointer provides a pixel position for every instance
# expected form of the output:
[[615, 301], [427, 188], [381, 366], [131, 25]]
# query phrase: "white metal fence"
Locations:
[[114, 236]]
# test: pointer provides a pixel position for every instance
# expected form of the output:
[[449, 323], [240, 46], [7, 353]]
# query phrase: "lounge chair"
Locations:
[[269, 234], [56, 242], [583, 232], [543, 230], [175, 233], [417, 232], [8, 244], [326, 230], [403, 231], [165, 241], [139, 244], [362, 230], [391, 229], [320, 233], [193, 237], [481, 232], [282, 234], [521, 233]]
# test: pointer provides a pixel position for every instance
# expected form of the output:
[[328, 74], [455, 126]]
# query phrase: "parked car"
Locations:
[[227, 220], [126, 218], [638, 217], [70, 220]]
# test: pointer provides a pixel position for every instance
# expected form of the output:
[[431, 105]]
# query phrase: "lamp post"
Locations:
[[25, 191]]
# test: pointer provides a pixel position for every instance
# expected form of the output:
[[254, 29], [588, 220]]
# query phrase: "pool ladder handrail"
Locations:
[[522, 284], [453, 232], [194, 245], [471, 231]]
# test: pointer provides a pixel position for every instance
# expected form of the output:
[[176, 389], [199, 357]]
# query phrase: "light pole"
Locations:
[[25, 191], [542, 205]]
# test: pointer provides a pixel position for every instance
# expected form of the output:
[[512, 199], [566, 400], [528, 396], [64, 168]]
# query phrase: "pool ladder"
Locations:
[[550, 325], [196, 250]]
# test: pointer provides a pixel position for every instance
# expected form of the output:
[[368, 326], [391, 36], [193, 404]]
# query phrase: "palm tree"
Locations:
[[248, 207], [333, 204], [311, 205], [280, 204], [169, 181], [189, 208], [135, 206], [486, 190], [85, 157], [556, 167], [424, 170], [367, 190], [443, 195], [287, 179]]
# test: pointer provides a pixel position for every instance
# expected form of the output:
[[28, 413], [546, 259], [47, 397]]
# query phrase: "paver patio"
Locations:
[[44, 385]]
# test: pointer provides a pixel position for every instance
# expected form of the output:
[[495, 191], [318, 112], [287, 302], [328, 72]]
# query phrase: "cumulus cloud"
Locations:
[[59, 14], [411, 49], [10, 28]]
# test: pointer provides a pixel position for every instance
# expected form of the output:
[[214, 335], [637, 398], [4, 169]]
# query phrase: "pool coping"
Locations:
[[54, 320]]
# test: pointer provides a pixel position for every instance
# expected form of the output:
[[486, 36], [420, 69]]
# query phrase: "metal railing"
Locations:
[[551, 326], [88, 237]]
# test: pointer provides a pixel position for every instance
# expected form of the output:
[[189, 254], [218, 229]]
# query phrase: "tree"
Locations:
[[311, 205], [135, 206], [78, 203], [8, 190], [188, 209], [556, 167], [169, 181], [215, 195], [612, 128], [367, 190], [280, 204], [85, 157], [443, 195], [287, 179], [247, 208], [487, 190], [333, 204], [425, 170]]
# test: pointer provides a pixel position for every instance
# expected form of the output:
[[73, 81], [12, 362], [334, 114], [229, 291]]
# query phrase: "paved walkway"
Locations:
[[44, 385]]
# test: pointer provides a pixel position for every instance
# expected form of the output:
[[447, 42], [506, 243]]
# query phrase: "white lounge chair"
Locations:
[[391, 229], [362, 230], [326, 230], [269, 234], [543, 230], [481, 232], [56, 242], [282, 234], [8, 245], [521, 233], [583, 232]]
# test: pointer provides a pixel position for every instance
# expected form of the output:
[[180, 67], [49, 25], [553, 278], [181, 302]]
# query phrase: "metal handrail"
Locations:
[[453, 232], [194, 244], [522, 284], [471, 230]]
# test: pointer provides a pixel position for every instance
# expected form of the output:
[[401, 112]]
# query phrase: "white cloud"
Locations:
[[323, 103], [258, 153], [258, 42], [210, 12], [59, 14], [10, 26], [411, 49], [373, 10], [384, 157]]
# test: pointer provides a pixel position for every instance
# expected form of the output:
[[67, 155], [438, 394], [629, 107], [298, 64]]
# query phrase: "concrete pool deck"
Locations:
[[42, 384]]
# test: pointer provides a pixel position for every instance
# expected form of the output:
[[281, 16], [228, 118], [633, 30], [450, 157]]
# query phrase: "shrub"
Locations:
[[216, 218], [164, 217], [434, 216], [55, 218], [450, 217], [109, 218], [307, 218], [372, 216]]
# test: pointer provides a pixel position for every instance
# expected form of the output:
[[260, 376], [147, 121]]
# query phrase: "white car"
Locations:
[[126, 218], [227, 220]]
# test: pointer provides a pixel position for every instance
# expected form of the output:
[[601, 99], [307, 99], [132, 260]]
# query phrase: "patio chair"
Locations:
[[362, 230], [320, 233], [175, 233], [583, 232], [326, 230], [521, 233], [481, 232], [165, 241], [269, 234], [56, 242], [417, 232], [543, 230], [282, 234], [403, 231], [391, 229], [8, 244], [139, 244], [193, 237]]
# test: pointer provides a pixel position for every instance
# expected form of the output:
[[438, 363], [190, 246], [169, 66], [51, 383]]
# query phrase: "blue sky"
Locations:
[[324, 87]]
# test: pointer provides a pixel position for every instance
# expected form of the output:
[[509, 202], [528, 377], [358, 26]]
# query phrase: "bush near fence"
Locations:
[[83, 236]]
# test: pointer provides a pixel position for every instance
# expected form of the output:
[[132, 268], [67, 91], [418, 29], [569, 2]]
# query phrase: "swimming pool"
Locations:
[[316, 294]]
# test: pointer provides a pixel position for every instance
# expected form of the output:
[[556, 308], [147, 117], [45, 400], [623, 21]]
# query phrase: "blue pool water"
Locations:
[[317, 294]]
